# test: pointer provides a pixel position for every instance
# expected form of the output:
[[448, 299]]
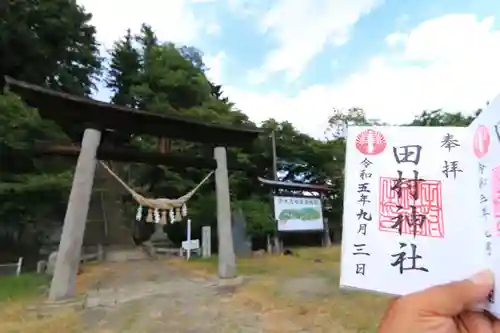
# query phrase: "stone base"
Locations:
[[236, 281]]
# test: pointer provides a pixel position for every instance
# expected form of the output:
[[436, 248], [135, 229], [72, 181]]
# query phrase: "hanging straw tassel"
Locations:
[[184, 210], [138, 216], [178, 216], [163, 219], [171, 216], [149, 218], [156, 216]]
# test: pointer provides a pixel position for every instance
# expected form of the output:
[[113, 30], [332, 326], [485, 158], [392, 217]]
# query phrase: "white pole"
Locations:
[[19, 266], [188, 231]]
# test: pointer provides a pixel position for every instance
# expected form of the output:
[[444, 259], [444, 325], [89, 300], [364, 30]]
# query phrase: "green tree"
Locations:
[[217, 93], [49, 43], [123, 73], [440, 118], [31, 189], [169, 82], [258, 215], [172, 80]]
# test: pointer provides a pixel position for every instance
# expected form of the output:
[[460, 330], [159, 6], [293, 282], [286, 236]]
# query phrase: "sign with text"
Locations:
[[298, 213], [193, 244]]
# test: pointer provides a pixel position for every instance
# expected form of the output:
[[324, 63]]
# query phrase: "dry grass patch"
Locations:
[[21, 304], [93, 274], [300, 291], [16, 317]]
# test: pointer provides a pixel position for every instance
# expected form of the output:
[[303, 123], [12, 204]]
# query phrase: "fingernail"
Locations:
[[483, 278]]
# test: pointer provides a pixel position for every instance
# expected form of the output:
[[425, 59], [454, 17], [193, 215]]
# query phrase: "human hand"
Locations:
[[443, 309]]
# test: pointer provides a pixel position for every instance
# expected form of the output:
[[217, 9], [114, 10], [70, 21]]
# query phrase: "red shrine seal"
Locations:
[[481, 141], [370, 142]]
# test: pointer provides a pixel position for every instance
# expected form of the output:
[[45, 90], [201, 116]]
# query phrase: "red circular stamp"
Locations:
[[370, 142], [481, 141]]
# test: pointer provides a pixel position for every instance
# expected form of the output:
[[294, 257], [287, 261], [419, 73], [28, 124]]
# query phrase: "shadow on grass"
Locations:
[[22, 287]]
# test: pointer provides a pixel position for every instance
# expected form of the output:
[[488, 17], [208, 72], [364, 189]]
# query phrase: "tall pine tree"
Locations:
[[123, 73]]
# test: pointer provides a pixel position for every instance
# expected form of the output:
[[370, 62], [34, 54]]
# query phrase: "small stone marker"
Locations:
[[206, 241]]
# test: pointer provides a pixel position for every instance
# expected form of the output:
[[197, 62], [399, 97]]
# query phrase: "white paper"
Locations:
[[484, 150], [449, 245]]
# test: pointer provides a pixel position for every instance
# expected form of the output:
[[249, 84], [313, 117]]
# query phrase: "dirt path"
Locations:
[[280, 294], [151, 297]]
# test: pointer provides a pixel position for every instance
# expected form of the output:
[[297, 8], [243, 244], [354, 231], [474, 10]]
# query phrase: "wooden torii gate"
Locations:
[[96, 120]]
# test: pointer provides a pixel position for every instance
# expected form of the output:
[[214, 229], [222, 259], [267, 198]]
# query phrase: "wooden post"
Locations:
[[68, 256], [269, 246], [227, 257], [327, 241], [277, 243]]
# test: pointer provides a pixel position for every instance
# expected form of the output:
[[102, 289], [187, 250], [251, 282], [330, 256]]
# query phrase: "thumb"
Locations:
[[453, 298]]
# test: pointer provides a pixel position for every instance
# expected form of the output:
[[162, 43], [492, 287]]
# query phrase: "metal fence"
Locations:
[[11, 269]]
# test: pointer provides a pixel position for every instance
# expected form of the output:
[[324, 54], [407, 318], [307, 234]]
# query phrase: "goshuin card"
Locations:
[[414, 213]]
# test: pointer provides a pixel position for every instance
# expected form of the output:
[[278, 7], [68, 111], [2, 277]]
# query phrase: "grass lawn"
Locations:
[[21, 287], [302, 289]]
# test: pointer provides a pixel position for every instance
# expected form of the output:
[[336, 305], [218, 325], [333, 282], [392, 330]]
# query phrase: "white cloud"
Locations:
[[172, 20], [303, 28], [451, 62], [214, 65], [247, 8], [396, 38], [212, 29], [308, 111]]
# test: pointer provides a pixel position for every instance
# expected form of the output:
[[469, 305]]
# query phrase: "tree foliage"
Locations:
[[440, 118], [50, 43]]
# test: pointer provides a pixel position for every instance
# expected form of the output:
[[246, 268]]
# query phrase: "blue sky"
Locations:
[[243, 43], [296, 60]]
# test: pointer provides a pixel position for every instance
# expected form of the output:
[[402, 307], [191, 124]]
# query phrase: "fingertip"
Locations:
[[483, 278]]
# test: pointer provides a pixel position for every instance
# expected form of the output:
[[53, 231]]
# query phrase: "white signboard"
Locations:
[[409, 217], [298, 214], [193, 244], [483, 149]]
